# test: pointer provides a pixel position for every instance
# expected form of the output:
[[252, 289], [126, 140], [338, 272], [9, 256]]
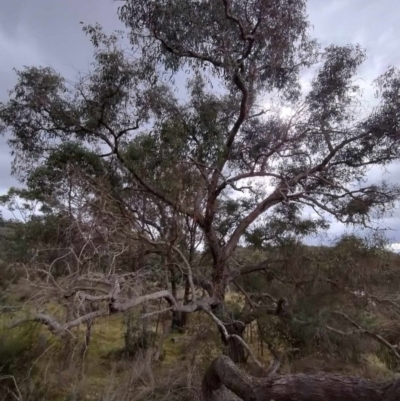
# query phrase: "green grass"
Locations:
[[107, 337]]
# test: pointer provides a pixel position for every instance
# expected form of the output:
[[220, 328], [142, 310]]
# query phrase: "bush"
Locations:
[[19, 350]]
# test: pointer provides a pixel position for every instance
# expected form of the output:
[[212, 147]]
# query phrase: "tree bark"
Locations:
[[298, 387], [178, 317], [219, 280], [236, 350], [87, 339], [179, 321]]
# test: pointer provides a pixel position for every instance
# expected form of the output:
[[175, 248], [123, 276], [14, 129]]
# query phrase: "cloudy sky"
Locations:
[[48, 33]]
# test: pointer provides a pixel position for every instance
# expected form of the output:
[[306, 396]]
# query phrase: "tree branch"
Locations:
[[115, 306], [228, 336], [369, 333]]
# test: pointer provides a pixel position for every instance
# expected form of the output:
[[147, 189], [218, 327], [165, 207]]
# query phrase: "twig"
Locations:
[[17, 397]]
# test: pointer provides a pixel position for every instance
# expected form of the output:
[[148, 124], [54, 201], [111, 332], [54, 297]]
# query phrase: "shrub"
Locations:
[[19, 350], [137, 337]]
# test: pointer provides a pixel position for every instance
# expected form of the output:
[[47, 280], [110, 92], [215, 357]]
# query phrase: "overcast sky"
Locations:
[[48, 33]]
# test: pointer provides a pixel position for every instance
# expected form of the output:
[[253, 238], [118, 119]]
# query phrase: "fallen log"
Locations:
[[294, 387]]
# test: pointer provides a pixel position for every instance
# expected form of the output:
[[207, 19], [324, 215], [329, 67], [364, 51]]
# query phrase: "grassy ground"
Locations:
[[102, 374]]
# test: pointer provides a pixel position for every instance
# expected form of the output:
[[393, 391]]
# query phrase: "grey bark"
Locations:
[[296, 387]]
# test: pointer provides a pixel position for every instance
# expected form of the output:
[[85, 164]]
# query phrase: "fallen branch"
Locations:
[[296, 387], [54, 326], [114, 307]]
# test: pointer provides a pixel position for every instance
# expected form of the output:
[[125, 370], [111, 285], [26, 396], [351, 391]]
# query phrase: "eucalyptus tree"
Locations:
[[246, 145], [316, 156]]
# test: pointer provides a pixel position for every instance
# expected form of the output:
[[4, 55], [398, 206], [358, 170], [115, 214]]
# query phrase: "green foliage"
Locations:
[[198, 153], [19, 372], [217, 39], [20, 239], [319, 281], [286, 225], [67, 155], [18, 351]]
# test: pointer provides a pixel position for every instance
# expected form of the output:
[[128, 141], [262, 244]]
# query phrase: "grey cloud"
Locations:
[[52, 29], [6, 180], [375, 25], [372, 24], [46, 33]]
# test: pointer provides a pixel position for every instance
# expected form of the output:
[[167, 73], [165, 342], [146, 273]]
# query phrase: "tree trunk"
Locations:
[[219, 281], [179, 321], [87, 339], [236, 350], [299, 387], [166, 328], [68, 346], [178, 317]]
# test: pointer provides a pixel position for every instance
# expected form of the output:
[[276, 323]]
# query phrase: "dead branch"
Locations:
[[115, 306], [228, 336], [369, 333]]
